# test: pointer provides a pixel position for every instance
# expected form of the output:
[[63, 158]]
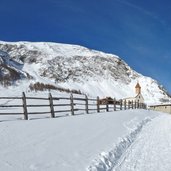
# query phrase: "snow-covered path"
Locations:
[[151, 150], [66, 143], [136, 140]]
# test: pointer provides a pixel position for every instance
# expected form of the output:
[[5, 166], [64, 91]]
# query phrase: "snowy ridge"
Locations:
[[108, 160], [75, 67]]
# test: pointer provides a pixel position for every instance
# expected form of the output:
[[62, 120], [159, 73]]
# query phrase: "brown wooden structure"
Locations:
[[70, 105]]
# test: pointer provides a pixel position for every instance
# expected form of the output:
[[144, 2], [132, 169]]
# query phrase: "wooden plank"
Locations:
[[71, 103], [98, 105], [128, 104], [51, 106], [102, 108], [114, 104], [45, 105], [61, 98], [121, 105], [6, 106], [138, 105], [24, 106], [37, 98], [38, 113], [77, 109], [11, 113], [135, 105], [86, 104], [81, 99], [132, 104], [10, 97], [61, 111], [62, 104], [125, 104], [107, 108], [55, 98], [37, 105]]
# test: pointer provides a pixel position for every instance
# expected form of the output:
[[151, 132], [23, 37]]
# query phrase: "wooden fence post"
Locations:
[[72, 104], [125, 104], [98, 103], [114, 103], [107, 107], [132, 104], [138, 104], [128, 104], [51, 106], [86, 104], [121, 104], [24, 106], [135, 104]]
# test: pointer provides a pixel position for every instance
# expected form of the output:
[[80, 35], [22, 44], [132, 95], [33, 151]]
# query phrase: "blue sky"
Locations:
[[137, 31]]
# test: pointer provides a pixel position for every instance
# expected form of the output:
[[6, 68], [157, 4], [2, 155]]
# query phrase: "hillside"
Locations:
[[74, 67]]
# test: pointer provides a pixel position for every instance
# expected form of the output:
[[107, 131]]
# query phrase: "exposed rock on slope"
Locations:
[[10, 70], [76, 67]]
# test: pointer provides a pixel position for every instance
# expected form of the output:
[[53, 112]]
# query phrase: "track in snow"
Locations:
[[151, 150]]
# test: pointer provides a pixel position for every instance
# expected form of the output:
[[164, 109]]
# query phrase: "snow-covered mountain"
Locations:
[[74, 67]]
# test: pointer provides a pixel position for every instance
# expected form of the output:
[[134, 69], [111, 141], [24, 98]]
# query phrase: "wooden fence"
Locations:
[[88, 105]]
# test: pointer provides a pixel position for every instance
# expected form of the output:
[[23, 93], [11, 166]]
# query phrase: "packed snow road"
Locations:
[[151, 150]]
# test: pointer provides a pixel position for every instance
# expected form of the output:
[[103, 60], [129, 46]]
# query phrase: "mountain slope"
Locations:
[[76, 67]]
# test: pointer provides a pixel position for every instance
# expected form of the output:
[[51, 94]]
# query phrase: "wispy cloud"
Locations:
[[142, 10]]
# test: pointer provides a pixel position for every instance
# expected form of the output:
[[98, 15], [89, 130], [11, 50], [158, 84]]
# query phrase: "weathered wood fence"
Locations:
[[88, 105]]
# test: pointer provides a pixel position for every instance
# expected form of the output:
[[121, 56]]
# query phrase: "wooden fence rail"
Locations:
[[88, 104]]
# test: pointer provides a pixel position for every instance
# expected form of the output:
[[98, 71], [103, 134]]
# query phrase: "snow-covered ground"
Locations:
[[86, 142], [151, 150]]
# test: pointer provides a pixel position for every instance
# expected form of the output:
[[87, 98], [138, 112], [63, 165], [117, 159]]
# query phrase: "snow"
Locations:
[[75, 67], [151, 150], [51, 49], [120, 140], [92, 142], [69, 143]]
